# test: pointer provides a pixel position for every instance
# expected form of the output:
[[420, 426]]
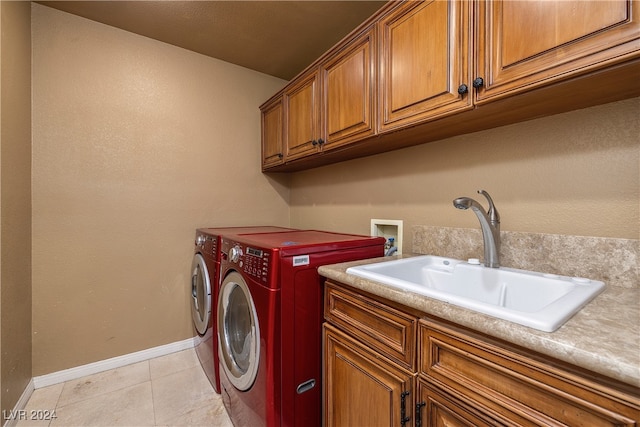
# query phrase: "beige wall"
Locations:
[[135, 144], [15, 202], [575, 173]]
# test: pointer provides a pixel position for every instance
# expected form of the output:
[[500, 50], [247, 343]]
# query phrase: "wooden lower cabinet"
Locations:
[[377, 372], [521, 390], [361, 389]]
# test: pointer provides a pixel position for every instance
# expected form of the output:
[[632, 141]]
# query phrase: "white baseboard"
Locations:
[[107, 364], [20, 404]]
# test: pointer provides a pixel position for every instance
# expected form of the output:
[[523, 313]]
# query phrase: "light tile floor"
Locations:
[[171, 390]]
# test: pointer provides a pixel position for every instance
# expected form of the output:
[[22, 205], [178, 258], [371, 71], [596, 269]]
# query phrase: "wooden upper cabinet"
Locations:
[[348, 91], [302, 116], [525, 44], [424, 70], [334, 103], [272, 133], [424, 60]]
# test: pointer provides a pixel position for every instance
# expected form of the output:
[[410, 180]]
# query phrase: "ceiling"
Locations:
[[279, 38]]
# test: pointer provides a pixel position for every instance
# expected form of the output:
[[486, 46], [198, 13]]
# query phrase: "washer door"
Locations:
[[200, 294], [238, 332]]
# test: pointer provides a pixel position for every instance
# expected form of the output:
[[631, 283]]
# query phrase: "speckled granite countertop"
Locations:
[[603, 337]]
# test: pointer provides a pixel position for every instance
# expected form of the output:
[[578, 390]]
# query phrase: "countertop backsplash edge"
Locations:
[[611, 260]]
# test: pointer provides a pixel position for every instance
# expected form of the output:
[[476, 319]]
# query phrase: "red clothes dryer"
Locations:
[[205, 280], [269, 319]]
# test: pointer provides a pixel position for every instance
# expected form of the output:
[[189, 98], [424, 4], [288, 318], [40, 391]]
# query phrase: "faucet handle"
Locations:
[[493, 214]]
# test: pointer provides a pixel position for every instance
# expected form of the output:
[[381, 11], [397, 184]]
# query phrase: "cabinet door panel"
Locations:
[[349, 92], [524, 44], [360, 388], [424, 59], [441, 410], [272, 119], [385, 329], [302, 121]]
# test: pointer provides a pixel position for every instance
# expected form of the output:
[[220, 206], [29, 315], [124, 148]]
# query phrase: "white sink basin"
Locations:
[[540, 301]]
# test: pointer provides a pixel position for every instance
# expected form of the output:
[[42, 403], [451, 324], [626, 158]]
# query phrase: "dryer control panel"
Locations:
[[249, 260], [257, 263], [207, 244]]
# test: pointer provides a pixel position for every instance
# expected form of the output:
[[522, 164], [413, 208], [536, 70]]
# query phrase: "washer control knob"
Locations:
[[200, 240], [235, 253]]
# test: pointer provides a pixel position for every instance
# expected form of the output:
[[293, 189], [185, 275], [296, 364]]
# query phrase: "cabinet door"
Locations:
[[348, 81], [272, 132], [526, 44], [302, 117], [425, 58], [437, 409], [361, 389]]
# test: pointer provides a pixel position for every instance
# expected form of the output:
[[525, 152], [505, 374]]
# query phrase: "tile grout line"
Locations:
[[153, 399]]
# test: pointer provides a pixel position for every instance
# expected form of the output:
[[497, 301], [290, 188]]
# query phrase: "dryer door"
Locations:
[[238, 332], [200, 294]]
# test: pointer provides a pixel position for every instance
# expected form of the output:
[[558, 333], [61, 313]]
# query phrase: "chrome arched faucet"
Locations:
[[490, 225]]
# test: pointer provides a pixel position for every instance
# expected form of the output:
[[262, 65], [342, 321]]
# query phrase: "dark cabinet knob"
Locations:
[[320, 141], [280, 156], [478, 82], [314, 142], [462, 89]]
